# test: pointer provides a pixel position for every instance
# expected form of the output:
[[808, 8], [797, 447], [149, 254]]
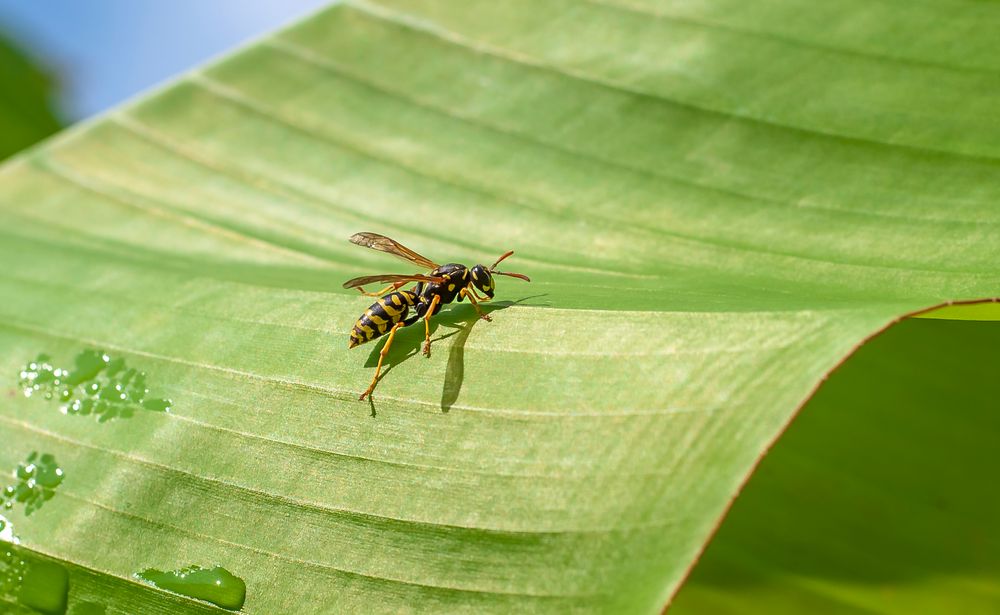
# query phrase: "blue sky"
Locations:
[[104, 51]]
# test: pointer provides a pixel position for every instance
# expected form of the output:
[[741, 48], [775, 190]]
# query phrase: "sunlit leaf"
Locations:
[[716, 204]]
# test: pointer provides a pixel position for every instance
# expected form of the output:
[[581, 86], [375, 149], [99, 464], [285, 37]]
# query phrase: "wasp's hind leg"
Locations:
[[475, 304], [381, 357], [427, 324]]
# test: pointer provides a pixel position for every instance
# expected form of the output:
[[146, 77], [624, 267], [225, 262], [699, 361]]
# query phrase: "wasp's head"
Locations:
[[483, 280]]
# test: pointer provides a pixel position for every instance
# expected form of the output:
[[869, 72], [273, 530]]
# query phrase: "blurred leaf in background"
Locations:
[[26, 114]]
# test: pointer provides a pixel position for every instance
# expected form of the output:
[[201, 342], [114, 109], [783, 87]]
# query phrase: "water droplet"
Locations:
[[158, 405], [89, 608], [99, 384], [216, 585], [40, 585], [37, 478], [25, 471], [7, 532], [44, 586]]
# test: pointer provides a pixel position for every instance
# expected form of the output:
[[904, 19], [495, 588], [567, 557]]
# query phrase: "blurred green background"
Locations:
[[63, 60], [26, 113]]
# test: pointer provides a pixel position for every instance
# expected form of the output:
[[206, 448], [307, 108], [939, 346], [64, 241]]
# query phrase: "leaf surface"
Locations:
[[715, 204]]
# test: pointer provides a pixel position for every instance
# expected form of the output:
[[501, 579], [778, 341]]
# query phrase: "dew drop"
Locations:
[[99, 384], [44, 587], [216, 585], [158, 405]]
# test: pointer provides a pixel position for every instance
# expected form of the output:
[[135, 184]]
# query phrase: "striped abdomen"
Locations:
[[381, 316]]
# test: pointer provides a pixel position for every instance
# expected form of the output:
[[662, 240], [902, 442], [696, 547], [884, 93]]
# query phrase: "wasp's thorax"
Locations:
[[456, 277]]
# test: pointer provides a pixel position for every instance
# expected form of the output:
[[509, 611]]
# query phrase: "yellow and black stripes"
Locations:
[[381, 316], [443, 285]]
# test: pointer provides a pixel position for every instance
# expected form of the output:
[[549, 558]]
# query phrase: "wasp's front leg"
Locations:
[[472, 299], [472, 290]]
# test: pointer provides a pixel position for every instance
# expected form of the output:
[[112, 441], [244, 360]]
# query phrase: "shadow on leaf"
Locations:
[[409, 341]]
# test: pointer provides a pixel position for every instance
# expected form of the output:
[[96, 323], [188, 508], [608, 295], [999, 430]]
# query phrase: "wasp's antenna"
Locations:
[[493, 268], [505, 255], [513, 275]]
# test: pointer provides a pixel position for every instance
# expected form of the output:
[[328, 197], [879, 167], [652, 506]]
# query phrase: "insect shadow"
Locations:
[[409, 343]]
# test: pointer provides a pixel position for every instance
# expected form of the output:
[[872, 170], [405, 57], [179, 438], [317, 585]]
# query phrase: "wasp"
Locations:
[[440, 286]]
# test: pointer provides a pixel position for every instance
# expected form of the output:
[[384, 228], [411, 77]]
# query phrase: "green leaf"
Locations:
[[716, 205], [872, 502], [26, 114]]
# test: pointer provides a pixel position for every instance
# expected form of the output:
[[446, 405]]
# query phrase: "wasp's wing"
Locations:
[[384, 244], [390, 277]]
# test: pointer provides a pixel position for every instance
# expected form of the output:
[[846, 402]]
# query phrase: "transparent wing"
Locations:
[[390, 278], [384, 244]]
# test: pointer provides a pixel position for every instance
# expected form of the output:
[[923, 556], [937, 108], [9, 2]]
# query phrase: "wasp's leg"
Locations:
[[475, 304], [427, 325], [381, 356], [379, 293], [472, 289]]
